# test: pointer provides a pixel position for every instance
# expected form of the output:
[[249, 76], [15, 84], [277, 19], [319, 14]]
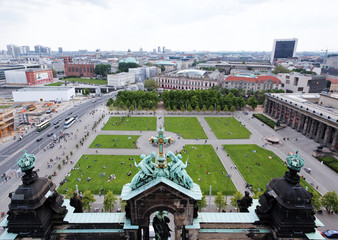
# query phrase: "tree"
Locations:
[[211, 108], [102, 69], [109, 201], [54, 73], [232, 109], [110, 102], [124, 67], [69, 193], [257, 194], [189, 108], [204, 108], [197, 108], [149, 64], [218, 108], [280, 69], [238, 196], [202, 203], [88, 199], [150, 84], [330, 201], [162, 68], [220, 201], [85, 91], [316, 200], [252, 102], [123, 203]]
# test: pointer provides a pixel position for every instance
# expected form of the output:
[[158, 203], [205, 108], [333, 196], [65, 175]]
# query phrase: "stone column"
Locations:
[[178, 232], [334, 140], [280, 111], [294, 119], [305, 124], [301, 122], [312, 128], [266, 105], [327, 135], [319, 132], [288, 111]]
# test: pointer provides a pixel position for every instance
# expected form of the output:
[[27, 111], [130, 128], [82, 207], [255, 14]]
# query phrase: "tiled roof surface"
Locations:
[[257, 79]]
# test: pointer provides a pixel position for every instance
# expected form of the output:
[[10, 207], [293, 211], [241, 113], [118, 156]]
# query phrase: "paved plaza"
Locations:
[[320, 176]]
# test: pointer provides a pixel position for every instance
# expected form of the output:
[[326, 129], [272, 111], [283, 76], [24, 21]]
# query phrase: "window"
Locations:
[[300, 89], [287, 81], [295, 81]]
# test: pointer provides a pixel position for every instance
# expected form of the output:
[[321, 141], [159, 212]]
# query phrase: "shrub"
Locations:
[[265, 120]]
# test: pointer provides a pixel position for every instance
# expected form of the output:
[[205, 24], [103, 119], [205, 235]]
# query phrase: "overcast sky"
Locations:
[[213, 25]]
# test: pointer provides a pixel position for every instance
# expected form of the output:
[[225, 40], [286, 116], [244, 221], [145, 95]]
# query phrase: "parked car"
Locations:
[[308, 170], [332, 233], [39, 139]]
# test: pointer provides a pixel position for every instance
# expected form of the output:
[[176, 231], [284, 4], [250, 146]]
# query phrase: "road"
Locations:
[[13, 151]]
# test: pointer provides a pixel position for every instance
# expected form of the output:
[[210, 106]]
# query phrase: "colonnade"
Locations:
[[312, 125]]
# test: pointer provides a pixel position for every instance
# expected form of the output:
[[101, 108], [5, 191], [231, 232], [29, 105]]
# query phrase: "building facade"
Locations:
[[334, 84], [299, 112], [120, 80], [38, 94], [252, 66], [190, 79], [78, 69], [143, 73], [252, 82], [284, 48], [301, 83], [29, 76], [6, 122]]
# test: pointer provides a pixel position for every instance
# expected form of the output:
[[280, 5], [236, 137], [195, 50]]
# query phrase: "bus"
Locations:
[[69, 122], [42, 125]]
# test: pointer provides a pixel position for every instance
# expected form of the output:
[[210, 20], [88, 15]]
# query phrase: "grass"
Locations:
[[331, 162], [258, 175], [265, 120], [84, 80], [114, 166], [4, 106], [187, 127], [131, 124], [222, 126], [115, 141], [205, 156], [55, 84]]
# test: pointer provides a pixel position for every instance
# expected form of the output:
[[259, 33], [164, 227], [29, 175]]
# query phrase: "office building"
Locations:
[[120, 80], [60, 50], [163, 49], [29, 76], [302, 83], [283, 48], [10, 50], [143, 73], [158, 49]]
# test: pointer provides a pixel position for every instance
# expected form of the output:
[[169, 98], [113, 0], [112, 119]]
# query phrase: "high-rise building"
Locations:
[[26, 49], [163, 49], [284, 48], [60, 50], [158, 49], [10, 50], [37, 49]]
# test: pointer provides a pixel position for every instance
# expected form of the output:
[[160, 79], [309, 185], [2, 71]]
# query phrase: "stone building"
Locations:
[[302, 83], [251, 82], [307, 114], [190, 79]]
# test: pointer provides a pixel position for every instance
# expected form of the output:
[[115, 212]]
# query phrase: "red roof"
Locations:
[[257, 79], [333, 80]]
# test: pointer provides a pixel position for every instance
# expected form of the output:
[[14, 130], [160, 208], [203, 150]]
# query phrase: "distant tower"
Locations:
[[129, 53], [163, 49], [60, 50], [97, 53], [283, 48], [141, 49], [158, 49]]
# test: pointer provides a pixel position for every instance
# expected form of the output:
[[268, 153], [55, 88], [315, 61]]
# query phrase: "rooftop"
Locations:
[[42, 89], [253, 78]]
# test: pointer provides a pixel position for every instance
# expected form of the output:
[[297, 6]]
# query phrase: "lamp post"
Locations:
[[209, 198], [226, 194]]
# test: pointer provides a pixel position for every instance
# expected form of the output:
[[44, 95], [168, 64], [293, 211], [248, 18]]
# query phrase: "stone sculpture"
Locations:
[[146, 171], [160, 224], [177, 172]]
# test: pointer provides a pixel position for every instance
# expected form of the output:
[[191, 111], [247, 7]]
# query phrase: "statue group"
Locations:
[[160, 224], [175, 171]]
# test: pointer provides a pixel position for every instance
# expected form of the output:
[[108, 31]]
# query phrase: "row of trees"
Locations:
[[139, 99], [201, 100]]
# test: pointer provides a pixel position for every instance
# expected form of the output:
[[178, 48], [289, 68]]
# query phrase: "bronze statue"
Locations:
[[146, 171], [177, 172], [245, 202], [160, 224], [76, 202]]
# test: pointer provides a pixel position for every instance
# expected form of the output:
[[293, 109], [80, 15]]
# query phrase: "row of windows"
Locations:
[[76, 69], [191, 83]]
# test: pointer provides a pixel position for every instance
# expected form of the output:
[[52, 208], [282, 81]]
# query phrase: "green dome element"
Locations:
[[294, 161], [26, 161], [129, 60]]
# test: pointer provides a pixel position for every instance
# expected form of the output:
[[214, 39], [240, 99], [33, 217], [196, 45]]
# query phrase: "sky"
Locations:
[[185, 25]]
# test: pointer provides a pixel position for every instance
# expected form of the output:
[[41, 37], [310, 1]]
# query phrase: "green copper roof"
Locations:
[[222, 230], [84, 231], [195, 225], [128, 193], [91, 217], [314, 236], [129, 60], [208, 217], [8, 236]]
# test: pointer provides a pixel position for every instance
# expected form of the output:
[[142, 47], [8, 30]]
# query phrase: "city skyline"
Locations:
[[216, 25]]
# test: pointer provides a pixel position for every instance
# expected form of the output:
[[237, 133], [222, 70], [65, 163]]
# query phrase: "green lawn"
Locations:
[[55, 84], [84, 80], [227, 128], [258, 168], [113, 166], [115, 141], [131, 124], [203, 159], [187, 127], [331, 162]]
